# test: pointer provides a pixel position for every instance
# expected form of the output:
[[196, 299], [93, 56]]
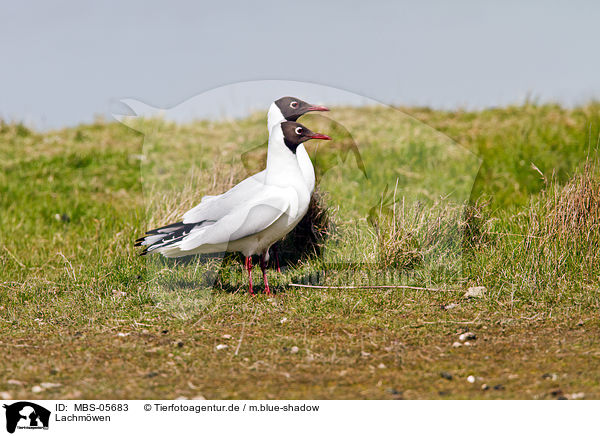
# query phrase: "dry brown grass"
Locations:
[[167, 206], [575, 209]]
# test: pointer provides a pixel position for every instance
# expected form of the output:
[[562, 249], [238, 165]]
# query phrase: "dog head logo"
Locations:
[[24, 414]]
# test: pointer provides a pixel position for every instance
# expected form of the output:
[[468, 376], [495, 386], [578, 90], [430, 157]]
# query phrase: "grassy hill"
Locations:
[[506, 198]]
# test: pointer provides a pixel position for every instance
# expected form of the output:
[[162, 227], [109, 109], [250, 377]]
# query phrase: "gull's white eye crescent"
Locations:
[[294, 104], [298, 130]]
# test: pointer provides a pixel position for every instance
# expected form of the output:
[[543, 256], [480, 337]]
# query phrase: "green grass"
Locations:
[[451, 200]]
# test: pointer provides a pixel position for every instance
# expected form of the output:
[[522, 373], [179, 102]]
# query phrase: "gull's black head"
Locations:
[[293, 108], [295, 134]]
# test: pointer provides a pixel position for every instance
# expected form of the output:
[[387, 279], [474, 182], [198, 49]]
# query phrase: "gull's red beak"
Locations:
[[320, 136], [317, 109]]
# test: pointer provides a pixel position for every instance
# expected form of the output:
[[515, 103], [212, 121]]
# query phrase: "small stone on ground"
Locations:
[[476, 292]]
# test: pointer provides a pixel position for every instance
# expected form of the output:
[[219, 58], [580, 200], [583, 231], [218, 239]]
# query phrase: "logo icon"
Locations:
[[26, 415]]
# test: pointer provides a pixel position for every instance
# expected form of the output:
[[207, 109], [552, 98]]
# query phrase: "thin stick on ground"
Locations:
[[417, 288]]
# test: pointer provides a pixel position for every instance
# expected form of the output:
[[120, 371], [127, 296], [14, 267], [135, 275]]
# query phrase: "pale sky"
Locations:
[[63, 62]]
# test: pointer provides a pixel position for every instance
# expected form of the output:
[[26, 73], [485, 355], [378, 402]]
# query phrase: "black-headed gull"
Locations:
[[283, 109], [245, 219]]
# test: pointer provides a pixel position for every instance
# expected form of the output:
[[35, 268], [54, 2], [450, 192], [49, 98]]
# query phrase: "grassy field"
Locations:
[[507, 198]]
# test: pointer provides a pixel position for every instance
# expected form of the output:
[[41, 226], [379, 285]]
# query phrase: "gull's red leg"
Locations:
[[263, 266], [276, 255], [249, 268]]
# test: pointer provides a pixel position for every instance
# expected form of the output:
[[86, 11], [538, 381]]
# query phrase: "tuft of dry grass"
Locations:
[[575, 208], [418, 234], [398, 241]]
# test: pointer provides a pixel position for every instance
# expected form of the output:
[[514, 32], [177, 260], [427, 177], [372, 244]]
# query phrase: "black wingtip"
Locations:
[[178, 231]]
